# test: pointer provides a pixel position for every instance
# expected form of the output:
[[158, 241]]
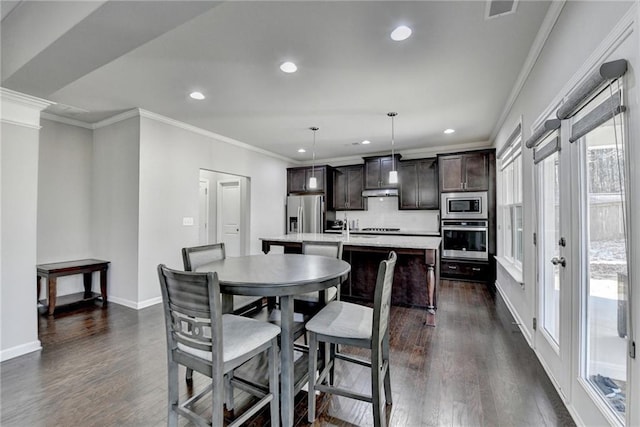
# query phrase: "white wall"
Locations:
[[64, 199], [18, 329], [114, 206], [579, 31], [170, 161]]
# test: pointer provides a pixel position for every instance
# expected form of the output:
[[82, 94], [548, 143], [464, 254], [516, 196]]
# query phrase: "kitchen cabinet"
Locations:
[[376, 171], [475, 271], [464, 171], [298, 179], [418, 181], [348, 183]]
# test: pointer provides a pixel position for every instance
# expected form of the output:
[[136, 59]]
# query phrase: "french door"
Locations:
[[553, 292]]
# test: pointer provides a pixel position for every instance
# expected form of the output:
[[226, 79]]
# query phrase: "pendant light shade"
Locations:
[[313, 182], [393, 174], [393, 177]]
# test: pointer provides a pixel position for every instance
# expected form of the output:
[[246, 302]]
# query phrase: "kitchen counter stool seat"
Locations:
[[343, 323], [201, 338]]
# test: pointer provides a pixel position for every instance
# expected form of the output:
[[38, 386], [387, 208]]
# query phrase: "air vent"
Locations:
[[497, 8]]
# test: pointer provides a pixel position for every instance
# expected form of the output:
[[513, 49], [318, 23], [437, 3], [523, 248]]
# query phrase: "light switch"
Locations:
[[187, 220]]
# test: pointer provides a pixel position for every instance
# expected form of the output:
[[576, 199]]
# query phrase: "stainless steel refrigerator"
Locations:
[[305, 214]]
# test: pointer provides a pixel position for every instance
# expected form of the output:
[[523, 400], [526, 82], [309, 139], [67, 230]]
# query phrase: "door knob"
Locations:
[[562, 261]]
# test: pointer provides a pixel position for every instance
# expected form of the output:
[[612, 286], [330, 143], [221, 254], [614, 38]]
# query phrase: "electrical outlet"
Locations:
[[187, 220]]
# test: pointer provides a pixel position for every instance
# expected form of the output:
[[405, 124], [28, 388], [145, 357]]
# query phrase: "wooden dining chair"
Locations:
[[196, 257], [343, 323], [310, 302], [201, 338]]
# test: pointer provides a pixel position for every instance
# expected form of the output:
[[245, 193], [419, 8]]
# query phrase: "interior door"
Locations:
[[553, 326], [203, 223], [229, 216]]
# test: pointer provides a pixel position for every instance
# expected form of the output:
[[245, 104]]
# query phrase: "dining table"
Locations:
[[283, 276]]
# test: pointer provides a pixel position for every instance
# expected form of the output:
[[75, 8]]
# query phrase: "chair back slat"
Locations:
[[197, 256], [328, 249], [382, 297]]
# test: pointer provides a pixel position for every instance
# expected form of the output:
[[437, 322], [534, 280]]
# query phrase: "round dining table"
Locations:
[[284, 276]]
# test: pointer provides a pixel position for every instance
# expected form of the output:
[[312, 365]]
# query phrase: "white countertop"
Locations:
[[386, 241]]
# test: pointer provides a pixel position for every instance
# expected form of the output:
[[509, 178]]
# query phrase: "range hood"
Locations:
[[382, 192]]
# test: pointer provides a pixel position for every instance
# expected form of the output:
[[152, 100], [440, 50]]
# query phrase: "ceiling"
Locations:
[[458, 69]]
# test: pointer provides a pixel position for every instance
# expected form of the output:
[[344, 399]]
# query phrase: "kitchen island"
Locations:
[[416, 276]]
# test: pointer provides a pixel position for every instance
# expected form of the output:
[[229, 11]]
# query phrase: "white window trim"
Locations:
[[508, 154]]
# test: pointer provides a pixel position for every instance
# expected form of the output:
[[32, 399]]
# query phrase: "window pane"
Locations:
[[550, 234], [606, 269], [518, 227], [506, 212], [517, 191]]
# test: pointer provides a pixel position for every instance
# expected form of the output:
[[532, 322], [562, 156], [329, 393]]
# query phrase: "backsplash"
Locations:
[[383, 212]]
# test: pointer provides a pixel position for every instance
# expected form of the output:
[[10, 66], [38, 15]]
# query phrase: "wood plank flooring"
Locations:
[[107, 367]]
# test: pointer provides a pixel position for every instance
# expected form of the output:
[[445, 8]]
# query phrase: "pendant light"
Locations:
[[313, 182], [393, 173]]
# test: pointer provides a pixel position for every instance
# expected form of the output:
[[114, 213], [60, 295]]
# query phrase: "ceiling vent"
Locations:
[[497, 8]]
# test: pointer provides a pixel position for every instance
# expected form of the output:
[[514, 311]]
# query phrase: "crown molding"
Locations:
[[536, 48], [415, 153], [216, 136], [117, 118], [66, 120], [20, 109]]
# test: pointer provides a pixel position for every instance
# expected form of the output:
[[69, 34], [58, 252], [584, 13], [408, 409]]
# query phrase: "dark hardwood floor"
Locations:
[[107, 366]]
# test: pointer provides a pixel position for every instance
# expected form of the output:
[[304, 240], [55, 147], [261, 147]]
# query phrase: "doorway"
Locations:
[[227, 215]]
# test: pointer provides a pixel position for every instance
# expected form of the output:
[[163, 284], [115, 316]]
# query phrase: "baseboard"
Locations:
[[525, 332], [135, 305], [19, 350], [149, 302]]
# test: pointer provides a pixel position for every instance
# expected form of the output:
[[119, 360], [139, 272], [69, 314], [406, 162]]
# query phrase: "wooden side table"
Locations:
[[86, 267]]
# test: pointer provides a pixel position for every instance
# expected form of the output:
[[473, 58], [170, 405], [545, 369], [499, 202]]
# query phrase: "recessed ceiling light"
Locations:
[[197, 95], [365, 142], [449, 130], [288, 67], [401, 33], [302, 150]]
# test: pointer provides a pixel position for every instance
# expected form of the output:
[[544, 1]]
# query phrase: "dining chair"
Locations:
[[201, 338], [310, 302], [195, 257], [350, 324]]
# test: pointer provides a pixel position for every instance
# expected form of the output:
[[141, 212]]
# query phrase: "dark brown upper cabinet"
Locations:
[[298, 179], [348, 183], [418, 184], [464, 171], [376, 171]]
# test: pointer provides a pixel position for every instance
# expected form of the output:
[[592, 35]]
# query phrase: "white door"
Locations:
[[229, 214], [203, 212], [553, 293]]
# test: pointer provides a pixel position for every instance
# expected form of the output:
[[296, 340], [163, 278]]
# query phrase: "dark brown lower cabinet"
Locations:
[[476, 271]]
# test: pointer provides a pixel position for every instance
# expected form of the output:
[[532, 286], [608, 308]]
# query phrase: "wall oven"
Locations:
[[469, 205], [465, 239]]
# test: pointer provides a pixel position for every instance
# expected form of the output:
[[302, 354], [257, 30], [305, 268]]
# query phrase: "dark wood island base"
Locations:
[[86, 267]]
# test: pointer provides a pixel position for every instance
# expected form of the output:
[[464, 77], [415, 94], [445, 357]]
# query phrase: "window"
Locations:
[[604, 268], [510, 222]]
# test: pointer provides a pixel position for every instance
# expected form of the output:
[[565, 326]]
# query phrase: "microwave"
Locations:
[[470, 205]]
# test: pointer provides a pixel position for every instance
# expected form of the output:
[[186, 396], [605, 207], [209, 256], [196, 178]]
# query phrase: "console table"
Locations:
[[86, 267]]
